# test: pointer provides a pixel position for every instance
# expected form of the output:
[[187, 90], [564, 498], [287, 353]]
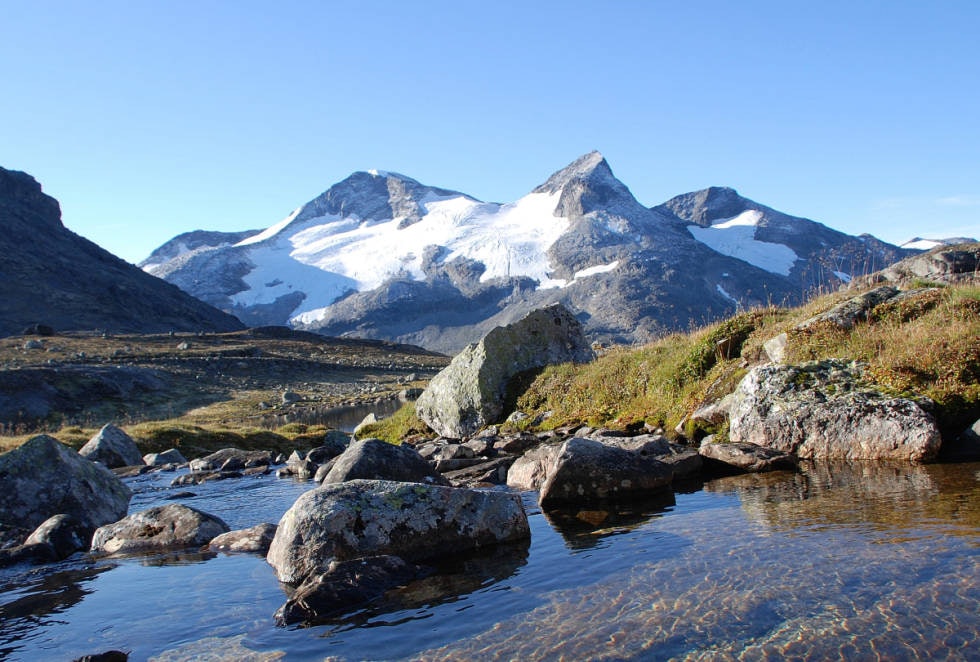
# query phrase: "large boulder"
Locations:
[[587, 470], [43, 478], [113, 448], [375, 459], [360, 518], [822, 410], [470, 392], [163, 527]]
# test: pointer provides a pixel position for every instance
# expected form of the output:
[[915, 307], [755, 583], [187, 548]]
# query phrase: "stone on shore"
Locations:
[[821, 410], [469, 393], [375, 459], [589, 470], [169, 456], [744, 457], [414, 521], [163, 527], [113, 448]]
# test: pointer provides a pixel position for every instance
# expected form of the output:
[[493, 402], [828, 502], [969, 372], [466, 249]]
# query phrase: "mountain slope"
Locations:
[[52, 276], [380, 255]]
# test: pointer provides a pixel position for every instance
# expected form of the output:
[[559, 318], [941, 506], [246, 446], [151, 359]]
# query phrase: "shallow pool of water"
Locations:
[[837, 561]]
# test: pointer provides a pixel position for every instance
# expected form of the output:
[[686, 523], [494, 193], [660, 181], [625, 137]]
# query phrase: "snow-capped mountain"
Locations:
[[381, 255], [921, 244]]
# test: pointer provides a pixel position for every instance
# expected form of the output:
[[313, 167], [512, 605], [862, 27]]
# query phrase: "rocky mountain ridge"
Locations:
[[53, 277], [380, 255]]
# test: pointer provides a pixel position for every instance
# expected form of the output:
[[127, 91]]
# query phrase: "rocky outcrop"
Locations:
[[375, 459], [588, 470], [469, 393], [821, 410], [848, 313], [255, 540], [361, 518], [744, 457], [164, 527], [113, 448], [43, 478], [944, 264]]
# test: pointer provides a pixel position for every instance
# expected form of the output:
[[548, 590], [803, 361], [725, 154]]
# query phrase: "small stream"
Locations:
[[834, 562]]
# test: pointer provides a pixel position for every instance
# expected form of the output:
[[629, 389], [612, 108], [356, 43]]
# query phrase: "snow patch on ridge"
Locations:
[[510, 240], [735, 237], [722, 292]]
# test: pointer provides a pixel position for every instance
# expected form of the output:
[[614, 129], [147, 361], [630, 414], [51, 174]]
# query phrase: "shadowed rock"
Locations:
[[749, 458], [43, 478], [113, 448], [377, 459]]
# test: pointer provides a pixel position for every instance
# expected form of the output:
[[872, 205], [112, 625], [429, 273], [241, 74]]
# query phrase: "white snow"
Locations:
[[271, 231], [510, 240], [735, 237], [599, 269], [845, 277], [921, 244]]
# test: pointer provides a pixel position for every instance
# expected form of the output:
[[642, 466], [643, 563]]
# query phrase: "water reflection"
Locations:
[[874, 496], [584, 527], [36, 598]]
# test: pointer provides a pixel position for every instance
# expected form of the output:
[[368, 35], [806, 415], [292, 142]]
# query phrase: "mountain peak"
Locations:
[[707, 205], [587, 184]]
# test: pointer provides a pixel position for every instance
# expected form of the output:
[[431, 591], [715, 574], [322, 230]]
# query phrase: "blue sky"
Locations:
[[147, 119]]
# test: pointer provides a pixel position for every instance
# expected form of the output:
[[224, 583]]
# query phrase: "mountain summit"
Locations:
[[380, 255]]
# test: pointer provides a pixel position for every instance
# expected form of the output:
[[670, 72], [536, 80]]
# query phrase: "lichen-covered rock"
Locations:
[[169, 456], [946, 264], [588, 470], [255, 539], [113, 448], [43, 478], [375, 459], [848, 313], [163, 527], [469, 393], [747, 458], [359, 518], [821, 410]]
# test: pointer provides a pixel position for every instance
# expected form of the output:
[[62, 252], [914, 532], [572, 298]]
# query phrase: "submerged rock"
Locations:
[[43, 478], [113, 448], [588, 470], [469, 393], [164, 527], [744, 457], [414, 521], [820, 410], [345, 585]]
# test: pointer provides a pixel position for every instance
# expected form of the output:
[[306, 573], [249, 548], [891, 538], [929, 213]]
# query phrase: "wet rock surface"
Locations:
[[414, 521], [163, 527]]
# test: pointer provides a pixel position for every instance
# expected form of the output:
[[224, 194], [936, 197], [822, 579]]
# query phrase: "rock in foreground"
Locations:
[[414, 521], [43, 478], [469, 393]]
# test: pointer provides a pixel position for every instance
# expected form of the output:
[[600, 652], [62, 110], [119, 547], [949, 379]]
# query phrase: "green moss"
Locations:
[[403, 423]]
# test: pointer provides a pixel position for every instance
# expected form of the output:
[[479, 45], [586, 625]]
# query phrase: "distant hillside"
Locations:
[[50, 275]]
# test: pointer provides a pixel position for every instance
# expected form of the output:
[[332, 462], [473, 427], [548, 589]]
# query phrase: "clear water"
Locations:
[[836, 562]]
